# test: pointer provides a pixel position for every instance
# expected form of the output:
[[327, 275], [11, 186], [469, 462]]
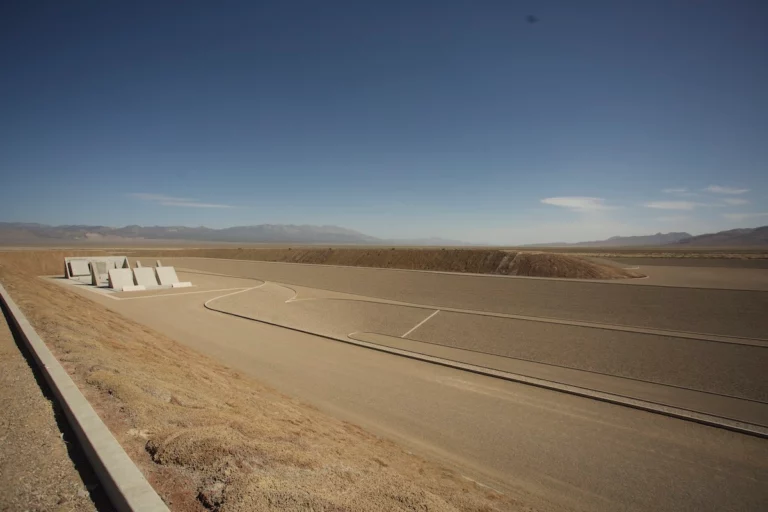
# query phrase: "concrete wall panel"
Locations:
[[166, 275], [145, 276], [119, 277], [79, 268]]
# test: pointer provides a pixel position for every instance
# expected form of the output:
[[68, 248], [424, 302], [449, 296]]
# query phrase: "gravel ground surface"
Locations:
[[37, 472]]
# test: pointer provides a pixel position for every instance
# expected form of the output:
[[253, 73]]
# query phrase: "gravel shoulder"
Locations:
[[38, 454]]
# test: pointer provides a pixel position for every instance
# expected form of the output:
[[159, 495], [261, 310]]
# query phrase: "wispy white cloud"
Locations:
[[157, 197], [717, 189], [671, 205], [679, 191], [673, 218], [735, 201], [577, 203], [182, 202], [194, 204], [745, 216]]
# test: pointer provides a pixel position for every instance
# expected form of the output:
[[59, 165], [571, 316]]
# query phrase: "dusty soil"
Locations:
[[45, 262], [480, 261], [704, 255], [36, 471], [208, 437]]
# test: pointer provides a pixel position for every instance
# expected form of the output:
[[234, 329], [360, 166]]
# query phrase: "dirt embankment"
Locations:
[[210, 438], [479, 261], [45, 262]]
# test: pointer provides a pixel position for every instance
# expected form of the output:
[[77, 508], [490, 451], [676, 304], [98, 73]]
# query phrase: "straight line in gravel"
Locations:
[[420, 323]]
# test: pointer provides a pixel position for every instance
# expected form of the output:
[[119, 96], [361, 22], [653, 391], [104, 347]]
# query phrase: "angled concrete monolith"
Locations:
[[145, 276]]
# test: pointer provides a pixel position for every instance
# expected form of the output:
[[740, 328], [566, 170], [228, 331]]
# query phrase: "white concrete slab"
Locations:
[[166, 275], [79, 268], [95, 277], [120, 277], [134, 288], [138, 264], [144, 276], [183, 284], [159, 264]]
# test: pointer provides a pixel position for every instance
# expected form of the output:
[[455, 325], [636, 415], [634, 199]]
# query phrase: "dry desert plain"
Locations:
[[691, 337]]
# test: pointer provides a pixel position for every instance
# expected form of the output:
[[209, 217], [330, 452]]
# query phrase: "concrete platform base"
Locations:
[[134, 288]]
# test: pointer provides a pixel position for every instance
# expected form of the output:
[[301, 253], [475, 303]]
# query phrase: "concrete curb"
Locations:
[[126, 487], [643, 405]]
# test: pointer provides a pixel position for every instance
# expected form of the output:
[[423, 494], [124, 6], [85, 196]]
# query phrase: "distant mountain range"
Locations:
[[16, 233], [733, 237], [747, 237], [626, 241]]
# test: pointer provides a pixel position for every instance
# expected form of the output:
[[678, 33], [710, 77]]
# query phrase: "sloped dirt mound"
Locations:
[[559, 265], [44, 262], [450, 260], [478, 261]]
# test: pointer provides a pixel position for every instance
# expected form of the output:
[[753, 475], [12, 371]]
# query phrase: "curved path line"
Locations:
[[714, 338], [206, 303], [565, 367], [462, 349], [404, 336], [172, 294], [675, 412], [666, 410]]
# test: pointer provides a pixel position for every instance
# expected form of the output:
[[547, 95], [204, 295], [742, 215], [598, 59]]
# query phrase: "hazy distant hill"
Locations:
[[17, 233], [746, 237], [733, 237], [627, 241]]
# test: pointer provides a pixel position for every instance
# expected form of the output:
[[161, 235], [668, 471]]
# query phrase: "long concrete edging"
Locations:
[[643, 405], [124, 484]]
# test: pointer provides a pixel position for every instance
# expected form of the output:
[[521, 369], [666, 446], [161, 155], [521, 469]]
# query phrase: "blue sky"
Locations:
[[397, 118]]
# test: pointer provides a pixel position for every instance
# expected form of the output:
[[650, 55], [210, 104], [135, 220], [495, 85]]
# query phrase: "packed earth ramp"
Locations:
[[476, 261]]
